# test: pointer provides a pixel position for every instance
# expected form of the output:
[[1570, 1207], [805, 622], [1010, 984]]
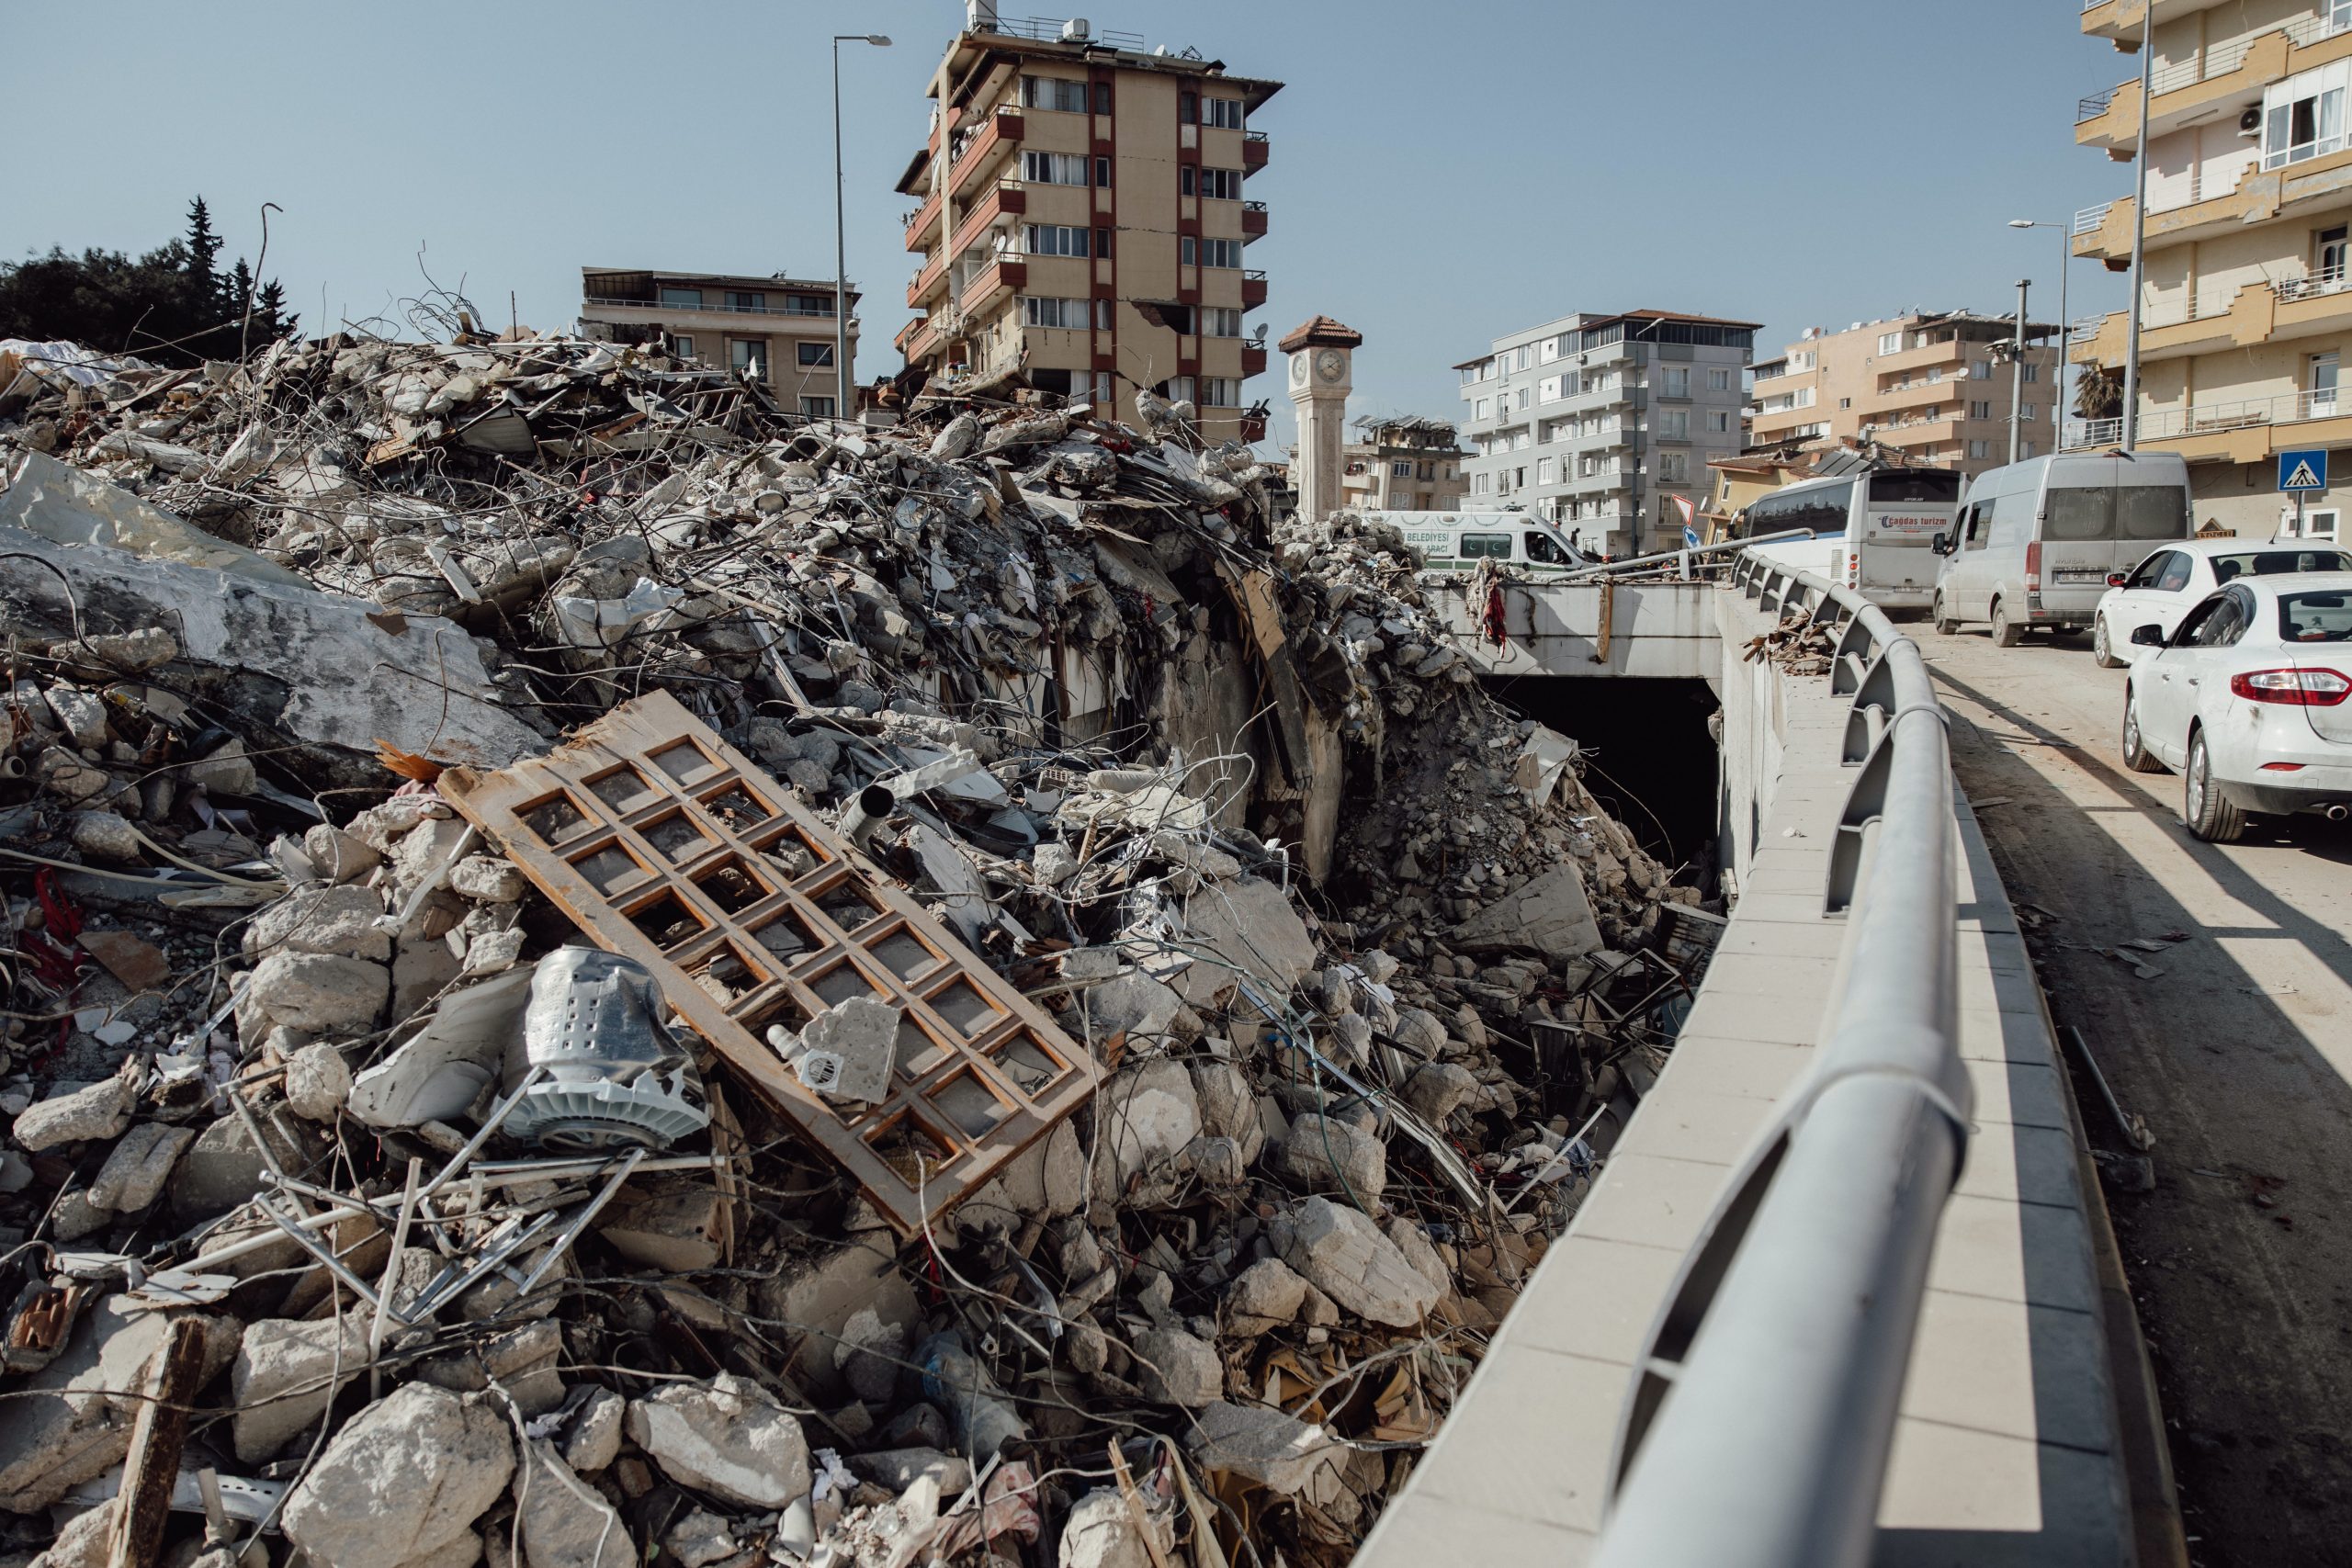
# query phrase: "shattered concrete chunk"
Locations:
[[1250, 925], [565, 1522], [1101, 1532], [1436, 1090], [318, 1081], [406, 1477], [1277, 1451], [319, 992], [134, 1174], [1144, 1117], [95, 1110], [1179, 1367], [593, 1439], [1547, 914], [728, 1438], [850, 1049], [1324, 1153], [286, 1374], [1266, 1293], [1341, 1252], [339, 921]]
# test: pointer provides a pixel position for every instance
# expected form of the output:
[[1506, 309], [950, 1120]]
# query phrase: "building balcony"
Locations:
[[1254, 220], [2216, 77], [1253, 361], [921, 220], [2239, 318], [1950, 351], [670, 311], [2119, 20], [1000, 135], [2246, 430], [1253, 290], [919, 341], [1255, 150], [2258, 195], [927, 280], [1893, 401], [1000, 276], [1009, 199]]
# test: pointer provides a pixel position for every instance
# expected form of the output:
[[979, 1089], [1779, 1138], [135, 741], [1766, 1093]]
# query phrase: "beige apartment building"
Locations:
[[1403, 464], [1083, 213], [778, 328], [1930, 386], [2246, 300]]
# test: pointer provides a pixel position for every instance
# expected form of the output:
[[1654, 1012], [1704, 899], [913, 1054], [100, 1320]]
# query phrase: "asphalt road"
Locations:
[[2238, 1054]]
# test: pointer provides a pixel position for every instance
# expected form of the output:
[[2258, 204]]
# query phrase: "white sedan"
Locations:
[[2246, 699], [2170, 581]]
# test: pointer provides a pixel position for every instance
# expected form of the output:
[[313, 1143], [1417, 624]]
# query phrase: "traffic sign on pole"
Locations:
[[2303, 471]]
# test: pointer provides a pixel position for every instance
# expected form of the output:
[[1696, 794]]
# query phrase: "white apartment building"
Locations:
[[1600, 422]]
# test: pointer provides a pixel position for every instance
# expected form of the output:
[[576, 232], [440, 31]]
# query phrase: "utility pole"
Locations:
[[844, 390], [2131, 427], [2017, 374]]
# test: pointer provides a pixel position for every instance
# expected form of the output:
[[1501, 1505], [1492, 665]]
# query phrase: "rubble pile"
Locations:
[[601, 973]]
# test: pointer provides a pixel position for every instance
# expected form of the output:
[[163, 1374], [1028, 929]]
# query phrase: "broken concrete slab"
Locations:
[[1547, 914], [1250, 924], [318, 992], [564, 1522], [1327, 1154], [286, 1374], [134, 1173], [1267, 1293], [1103, 1531], [728, 1438], [1342, 1253], [93, 1111], [405, 1479], [1143, 1118], [821, 1296], [1178, 1368], [339, 921], [849, 1049], [1265, 1445]]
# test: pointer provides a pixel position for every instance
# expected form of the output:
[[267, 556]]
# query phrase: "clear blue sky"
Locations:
[[1442, 173]]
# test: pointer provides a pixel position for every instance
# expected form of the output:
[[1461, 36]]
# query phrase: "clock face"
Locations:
[[1331, 365], [1298, 370]]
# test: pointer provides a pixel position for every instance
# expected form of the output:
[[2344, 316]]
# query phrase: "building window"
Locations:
[[1102, 389], [1036, 312], [1217, 185], [749, 355], [1674, 467], [1719, 422], [1220, 392], [1103, 309], [1845, 402], [815, 353], [739, 300], [816, 407], [1208, 252], [1674, 381], [1520, 441], [1544, 470], [683, 299], [1674, 424], [1102, 97], [2317, 525], [1522, 396], [1980, 369], [1980, 410], [1053, 168], [1188, 108], [1980, 448], [1890, 342], [1053, 240], [2028, 413], [2329, 249], [1053, 93], [1935, 374], [2304, 117], [2322, 384], [683, 346], [1177, 389], [1485, 407], [1220, 321], [1401, 469], [1223, 113], [1719, 380], [2032, 373], [1477, 484], [1103, 173]]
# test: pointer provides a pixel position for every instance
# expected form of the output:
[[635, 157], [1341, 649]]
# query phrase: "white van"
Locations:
[[1872, 530], [2038, 543], [1458, 541]]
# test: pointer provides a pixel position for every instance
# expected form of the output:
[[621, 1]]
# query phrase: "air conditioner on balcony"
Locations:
[[2250, 122]]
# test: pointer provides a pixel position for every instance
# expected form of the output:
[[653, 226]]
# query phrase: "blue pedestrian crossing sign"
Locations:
[[2303, 471]]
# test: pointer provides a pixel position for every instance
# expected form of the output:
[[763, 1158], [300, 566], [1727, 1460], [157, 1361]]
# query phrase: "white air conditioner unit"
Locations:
[[1076, 31], [2250, 122]]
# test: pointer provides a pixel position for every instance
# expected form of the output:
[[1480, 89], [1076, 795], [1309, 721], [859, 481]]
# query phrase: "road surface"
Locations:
[[2237, 1050]]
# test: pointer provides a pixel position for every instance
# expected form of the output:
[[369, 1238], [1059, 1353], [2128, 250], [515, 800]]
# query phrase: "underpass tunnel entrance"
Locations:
[[1650, 755]]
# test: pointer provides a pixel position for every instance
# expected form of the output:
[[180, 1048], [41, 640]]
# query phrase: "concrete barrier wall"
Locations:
[[1656, 630]]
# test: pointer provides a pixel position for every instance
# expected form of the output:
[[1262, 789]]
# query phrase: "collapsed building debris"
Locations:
[[599, 974]]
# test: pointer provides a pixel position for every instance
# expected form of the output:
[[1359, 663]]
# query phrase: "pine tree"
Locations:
[[270, 306], [203, 254]]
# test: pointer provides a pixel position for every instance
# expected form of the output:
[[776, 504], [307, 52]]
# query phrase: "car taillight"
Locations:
[[2033, 566], [2298, 688], [2115, 580]]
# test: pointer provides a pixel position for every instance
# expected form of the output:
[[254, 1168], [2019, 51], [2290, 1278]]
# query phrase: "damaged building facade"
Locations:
[[1081, 213], [600, 973]]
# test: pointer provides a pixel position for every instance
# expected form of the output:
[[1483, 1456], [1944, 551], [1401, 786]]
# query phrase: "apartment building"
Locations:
[[778, 328], [1601, 422], [1935, 386], [1403, 464], [2246, 300], [1082, 211]]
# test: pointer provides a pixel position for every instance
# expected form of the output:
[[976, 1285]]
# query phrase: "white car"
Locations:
[[2172, 580], [2246, 699]]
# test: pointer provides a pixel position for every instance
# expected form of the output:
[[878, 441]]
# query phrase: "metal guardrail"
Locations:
[[1757, 1431], [2094, 106], [2088, 220]]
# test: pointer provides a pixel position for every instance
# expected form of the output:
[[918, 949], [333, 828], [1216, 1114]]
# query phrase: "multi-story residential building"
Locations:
[[1595, 421], [779, 328], [1083, 213], [1403, 464], [1934, 386], [2246, 300]]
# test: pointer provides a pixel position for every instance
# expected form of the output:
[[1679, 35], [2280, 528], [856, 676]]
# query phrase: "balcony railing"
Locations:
[[2095, 105], [1049, 29], [595, 301], [2331, 20], [2335, 281], [2089, 219], [2206, 418]]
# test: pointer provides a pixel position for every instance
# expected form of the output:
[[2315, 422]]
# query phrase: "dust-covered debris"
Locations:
[[497, 1253]]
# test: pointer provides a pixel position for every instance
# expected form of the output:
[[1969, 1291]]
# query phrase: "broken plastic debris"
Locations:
[[613, 1073]]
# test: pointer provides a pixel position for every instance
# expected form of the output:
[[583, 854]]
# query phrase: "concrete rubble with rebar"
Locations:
[[1353, 978]]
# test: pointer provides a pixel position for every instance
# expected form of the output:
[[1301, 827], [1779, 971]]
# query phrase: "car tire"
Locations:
[[2004, 634], [2102, 654], [2136, 755], [2203, 809], [1945, 625]]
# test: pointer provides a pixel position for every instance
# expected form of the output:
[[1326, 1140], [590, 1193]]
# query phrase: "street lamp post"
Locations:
[[2066, 327], [843, 392], [2017, 375], [2130, 428]]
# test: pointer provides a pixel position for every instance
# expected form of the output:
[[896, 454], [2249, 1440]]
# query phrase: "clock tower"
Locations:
[[1321, 353]]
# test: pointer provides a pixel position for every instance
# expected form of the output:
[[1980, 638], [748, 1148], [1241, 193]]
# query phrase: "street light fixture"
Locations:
[[843, 392], [2065, 328]]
